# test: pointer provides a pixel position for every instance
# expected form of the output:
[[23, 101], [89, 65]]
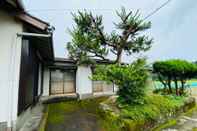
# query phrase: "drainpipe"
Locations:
[[33, 35]]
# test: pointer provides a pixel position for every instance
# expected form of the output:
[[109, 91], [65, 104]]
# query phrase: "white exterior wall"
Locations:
[[46, 82], [10, 54], [83, 81]]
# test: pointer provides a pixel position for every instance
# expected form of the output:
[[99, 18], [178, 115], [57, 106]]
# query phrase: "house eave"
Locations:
[[35, 22], [34, 25]]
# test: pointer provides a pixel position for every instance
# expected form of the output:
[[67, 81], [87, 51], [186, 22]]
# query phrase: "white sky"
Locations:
[[174, 27]]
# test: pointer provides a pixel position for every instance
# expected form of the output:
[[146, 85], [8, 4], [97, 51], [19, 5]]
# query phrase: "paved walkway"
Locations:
[[32, 118], [185, 124], [80, 120]]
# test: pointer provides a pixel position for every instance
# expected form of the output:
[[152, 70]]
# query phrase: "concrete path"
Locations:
[[185, 124], [77, 121], [32, 118]]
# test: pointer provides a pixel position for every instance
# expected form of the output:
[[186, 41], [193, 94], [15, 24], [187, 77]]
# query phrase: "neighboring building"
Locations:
[[28, 67], [64, 77]]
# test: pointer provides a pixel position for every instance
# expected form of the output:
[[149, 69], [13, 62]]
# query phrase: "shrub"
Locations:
[[155, 110], [131, 80]]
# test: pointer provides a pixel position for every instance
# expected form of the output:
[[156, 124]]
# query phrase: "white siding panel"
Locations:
[[10, 53]]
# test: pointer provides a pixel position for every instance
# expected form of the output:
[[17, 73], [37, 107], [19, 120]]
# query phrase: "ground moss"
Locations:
[[57, 111], [167, 124], [130, 125], [194, 129], [130, 117], [190, 111]]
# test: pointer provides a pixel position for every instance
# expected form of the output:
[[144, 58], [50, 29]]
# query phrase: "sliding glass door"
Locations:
[[62, 82]]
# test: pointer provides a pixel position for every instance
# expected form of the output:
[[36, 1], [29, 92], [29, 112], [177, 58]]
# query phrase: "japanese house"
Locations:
[[28, 68]]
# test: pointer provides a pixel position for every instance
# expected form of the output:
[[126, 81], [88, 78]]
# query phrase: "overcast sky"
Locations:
[[174, 27]]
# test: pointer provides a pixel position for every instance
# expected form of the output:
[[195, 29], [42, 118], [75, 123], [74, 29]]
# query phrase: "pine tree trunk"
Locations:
[[169, 86], [182, 87], [176, 86], [119, 56], [162, 81]]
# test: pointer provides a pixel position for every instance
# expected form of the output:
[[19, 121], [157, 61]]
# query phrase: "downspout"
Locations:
[[34, 35]]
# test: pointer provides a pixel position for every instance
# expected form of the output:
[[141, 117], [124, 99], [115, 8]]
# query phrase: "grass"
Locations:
[[194, 129]]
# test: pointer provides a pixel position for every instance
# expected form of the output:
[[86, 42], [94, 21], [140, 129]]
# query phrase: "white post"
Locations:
[[13, 79], [46, 82]]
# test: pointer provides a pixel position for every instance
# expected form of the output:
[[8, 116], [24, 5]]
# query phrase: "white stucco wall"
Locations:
[[46, 82], [10, 54], [83, 81]]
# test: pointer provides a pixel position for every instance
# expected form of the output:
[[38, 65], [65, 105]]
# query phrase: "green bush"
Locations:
[[154, 106], [131, 80], [155, 110]]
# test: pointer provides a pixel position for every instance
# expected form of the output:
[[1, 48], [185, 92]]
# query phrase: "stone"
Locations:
[[105, 107]]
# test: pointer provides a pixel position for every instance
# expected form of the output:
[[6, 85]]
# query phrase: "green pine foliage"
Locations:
[[174, 71], [131, 80], [90, 41]]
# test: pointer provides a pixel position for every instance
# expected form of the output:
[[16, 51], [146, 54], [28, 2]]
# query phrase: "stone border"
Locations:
[[42, 125]]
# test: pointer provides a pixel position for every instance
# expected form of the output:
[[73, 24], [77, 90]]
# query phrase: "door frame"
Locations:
[[24, 66]]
